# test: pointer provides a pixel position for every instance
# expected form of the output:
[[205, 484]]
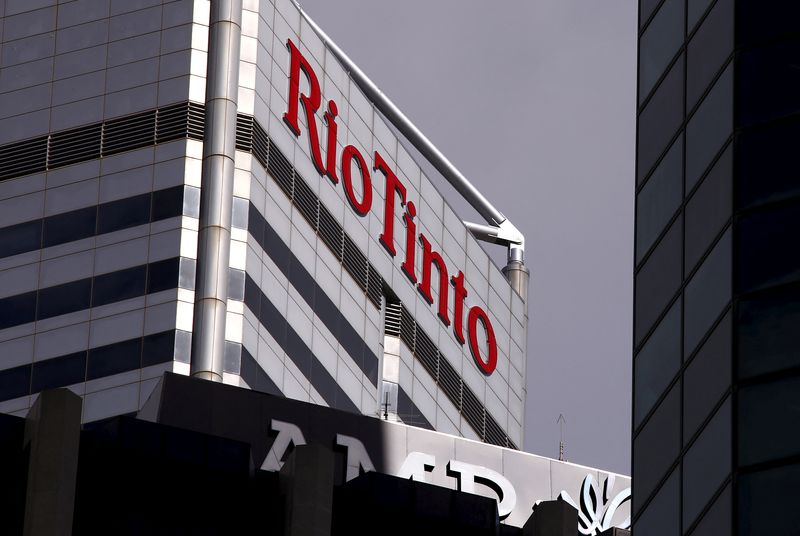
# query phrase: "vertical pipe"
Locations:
[[216, 198]]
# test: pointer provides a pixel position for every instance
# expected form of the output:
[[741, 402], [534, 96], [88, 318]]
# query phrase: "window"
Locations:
[[709, 209], [707, 293], [659, 120], [766, 163], [657, 363], [768, 417], [710, 126], [114, 359], [767, 82], [765, 20], [767, 332], [708, 49], [63, 299], [167, 203], [162, 275], [59, 372], [695, 10], [20, 238], [123, 214], [118, 286], [658, 279], [158, 348], [707, 377], [15, 382], [69, 226], [659, 43], [662, 516], [656, 446], [706, 464], [659, 199], [16, 310], [717, 520], [768, 502]]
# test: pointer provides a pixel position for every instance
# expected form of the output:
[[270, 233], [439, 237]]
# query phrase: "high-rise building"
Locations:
[[716, 272]]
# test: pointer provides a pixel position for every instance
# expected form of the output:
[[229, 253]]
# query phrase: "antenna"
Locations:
[[386, 406], [561, 423]]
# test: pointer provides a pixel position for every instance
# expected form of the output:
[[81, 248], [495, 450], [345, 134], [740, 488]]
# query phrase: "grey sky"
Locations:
[[534, 101]]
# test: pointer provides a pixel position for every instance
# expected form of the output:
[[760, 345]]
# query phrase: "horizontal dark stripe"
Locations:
[[92, 221], [87, 365], [409, 413], [313, 294], [291, 343], [77, 295], [255, 376]]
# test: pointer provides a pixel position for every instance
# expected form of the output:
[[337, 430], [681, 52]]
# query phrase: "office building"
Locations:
[[716, 274]]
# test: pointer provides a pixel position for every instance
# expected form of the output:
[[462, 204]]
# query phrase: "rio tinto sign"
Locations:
[[354, 167]]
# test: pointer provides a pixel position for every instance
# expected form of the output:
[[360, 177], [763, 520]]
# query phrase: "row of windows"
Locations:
[[90, 292], [99, 219], [87, 365]]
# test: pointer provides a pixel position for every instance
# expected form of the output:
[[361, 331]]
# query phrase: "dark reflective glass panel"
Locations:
[[657, 363], [659, 43], [158, 348], [114, 359], [20, 238], [15, 382], [767, 83], [694, 10], [236, 284], [765, 20], [70, 226], [767, 502], [707, 377], [63, 299], [719, 518], [768, 333], [709, 48], [659, 120], [162, 275], [233, 358], [709, 127], [659, 199], [118, 286], [188, 271], [656, 446], [59, 372], [707, 464], [768, 421], [658, 279], [16, 310], [662, 516], [767, 252], [167, 203], [707, 294], [646, 8], [767, 161], [709, 209], [123, 213]]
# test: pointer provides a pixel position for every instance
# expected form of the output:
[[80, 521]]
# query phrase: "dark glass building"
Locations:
[[716, 442]]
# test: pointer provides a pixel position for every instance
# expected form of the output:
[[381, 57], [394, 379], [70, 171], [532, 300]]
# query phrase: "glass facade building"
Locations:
[[717, 273]]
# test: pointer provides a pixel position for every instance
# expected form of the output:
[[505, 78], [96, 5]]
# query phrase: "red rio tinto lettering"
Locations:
[[395, 191]]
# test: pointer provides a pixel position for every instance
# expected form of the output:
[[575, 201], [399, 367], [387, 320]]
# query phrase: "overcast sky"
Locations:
[[534, 101]]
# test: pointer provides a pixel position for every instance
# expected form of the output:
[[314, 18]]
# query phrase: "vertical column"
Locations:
[[216, 200], [306, 481]]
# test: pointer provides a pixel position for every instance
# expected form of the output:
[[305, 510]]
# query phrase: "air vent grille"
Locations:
[[354, 262], [283, 172], [131, 132], [23, 157], [306, 202], [392, 320], [244, 132], [330, 232], [75, 145]]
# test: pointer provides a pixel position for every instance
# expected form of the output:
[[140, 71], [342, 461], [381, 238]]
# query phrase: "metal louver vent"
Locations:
[[494, 434], [391, 322], [260, 144], [408, 328], [306, 201], [473, 411], [172, 122], [244, 132], [130, 132], [374, 286], [330, 231], [23, 157], [75, 145], [195, 124], [427, 354], [354, 262], [450, 382], [283, 172]]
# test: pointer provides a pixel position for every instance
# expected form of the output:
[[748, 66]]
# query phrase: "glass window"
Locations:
[[767, 254], [767, 332], [658, 279], [706, 464], [16, 310], [767, 502], [63, 299], [233, 358], [646, 8], [707, 293], [21, 238], [662, 516], [767, 83], [657, 363], [59, 372], [718, 519], [69, 226], [114, 359], [708, 49], [707, 377], [768, 417], [659, 199], [158, 348], [123, 214], [765, 20], [695, 10], [15, 382], [235, 284], [162, 275], [656, 446], [709, 209], [766, 162], [659, 43], [659, 120], [118, 286], [167, 203], [710, 126]]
